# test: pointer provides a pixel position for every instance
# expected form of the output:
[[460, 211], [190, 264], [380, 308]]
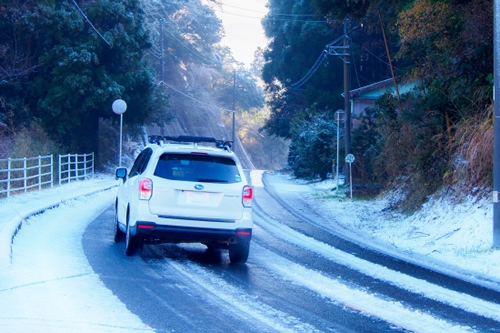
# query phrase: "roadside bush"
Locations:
[[471, 166], [312, 144], [364, 147], [401, 144], [30, 141]]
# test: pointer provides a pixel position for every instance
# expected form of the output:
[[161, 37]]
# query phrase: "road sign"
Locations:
[[349, 158], [339, 116]]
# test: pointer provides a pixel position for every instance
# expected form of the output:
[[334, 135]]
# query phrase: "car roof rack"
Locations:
[[159, 140]]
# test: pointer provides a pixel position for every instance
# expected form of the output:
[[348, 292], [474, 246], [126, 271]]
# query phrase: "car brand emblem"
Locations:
[[199, 187]]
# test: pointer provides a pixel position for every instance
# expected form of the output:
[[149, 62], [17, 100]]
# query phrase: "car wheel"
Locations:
[[132, 244], [119, 235], [238, 253]]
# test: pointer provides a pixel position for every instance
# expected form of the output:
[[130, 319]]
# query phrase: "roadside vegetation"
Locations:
[[63, 63], [438, 135]]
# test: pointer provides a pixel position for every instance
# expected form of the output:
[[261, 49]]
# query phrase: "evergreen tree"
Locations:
[[298, 38], [83, 56]]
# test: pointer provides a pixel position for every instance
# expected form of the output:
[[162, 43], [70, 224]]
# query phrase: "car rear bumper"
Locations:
[[178, 234]]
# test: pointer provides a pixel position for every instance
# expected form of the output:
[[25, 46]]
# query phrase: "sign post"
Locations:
[[350, 159]]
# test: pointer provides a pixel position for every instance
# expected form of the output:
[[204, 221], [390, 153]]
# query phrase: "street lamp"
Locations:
[[119, 107]]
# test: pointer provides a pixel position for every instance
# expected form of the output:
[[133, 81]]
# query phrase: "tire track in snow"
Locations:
[[370, 305], [467, 303], [232, 298], [400, 280]]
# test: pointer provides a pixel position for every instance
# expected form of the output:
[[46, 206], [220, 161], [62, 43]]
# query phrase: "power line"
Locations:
[[274, 18], [90, 23], [192, 98], [328, 50], [263, 12], [381, 60], [294, 20], [322, 57], [188, 47]]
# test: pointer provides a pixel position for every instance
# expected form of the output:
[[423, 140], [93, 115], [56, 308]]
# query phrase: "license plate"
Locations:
[[197, 198]]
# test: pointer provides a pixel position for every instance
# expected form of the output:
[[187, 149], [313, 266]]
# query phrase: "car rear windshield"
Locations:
[[197, 168]]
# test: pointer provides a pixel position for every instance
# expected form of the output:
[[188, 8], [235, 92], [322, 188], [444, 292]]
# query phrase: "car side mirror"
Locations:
[[121, 173]]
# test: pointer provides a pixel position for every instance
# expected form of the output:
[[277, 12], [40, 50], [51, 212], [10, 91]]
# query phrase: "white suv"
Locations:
[[182, 191]]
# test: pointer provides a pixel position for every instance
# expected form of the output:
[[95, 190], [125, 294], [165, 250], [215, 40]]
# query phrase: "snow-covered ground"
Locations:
[[459, 236], [49, 286]]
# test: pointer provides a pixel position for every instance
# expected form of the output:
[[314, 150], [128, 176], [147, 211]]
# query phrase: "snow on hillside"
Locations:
[[444, 234]]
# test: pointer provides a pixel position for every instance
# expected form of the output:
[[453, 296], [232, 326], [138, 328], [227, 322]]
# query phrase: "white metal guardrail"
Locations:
[[75, 167], [21, 174]]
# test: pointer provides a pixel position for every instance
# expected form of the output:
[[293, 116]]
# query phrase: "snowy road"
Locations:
[[300, 277]]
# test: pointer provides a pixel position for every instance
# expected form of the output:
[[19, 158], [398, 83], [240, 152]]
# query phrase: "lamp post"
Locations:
[[119, 107]]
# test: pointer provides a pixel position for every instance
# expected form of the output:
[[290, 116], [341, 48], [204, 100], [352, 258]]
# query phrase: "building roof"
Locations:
[[377, 89]]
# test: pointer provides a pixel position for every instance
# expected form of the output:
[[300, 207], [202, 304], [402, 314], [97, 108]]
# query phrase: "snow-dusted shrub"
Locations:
[[313, 144]]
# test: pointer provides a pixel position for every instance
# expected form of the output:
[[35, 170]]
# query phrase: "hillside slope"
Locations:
[[202, 121]]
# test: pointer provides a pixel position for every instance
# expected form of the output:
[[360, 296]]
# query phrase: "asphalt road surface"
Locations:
[[300, 277]]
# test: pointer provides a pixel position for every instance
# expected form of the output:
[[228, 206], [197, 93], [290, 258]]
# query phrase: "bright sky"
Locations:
[[242, 25]]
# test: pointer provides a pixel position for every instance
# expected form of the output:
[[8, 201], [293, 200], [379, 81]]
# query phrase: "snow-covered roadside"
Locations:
[[15, 209], [458, 236], [50, 286]]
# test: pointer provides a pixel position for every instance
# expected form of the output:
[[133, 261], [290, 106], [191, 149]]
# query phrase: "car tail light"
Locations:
[[247, 196], [145, 189], [145, 226]]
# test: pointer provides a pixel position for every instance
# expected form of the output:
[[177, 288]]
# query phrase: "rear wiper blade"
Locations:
[[209, 180]]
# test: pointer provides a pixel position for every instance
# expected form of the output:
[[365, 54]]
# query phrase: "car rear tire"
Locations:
[[132, 244], [119, 235], [238, 253]]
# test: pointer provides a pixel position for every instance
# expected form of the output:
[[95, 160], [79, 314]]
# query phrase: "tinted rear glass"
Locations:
[[197, 168]]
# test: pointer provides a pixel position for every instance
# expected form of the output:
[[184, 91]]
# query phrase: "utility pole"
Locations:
[[161, 64], [388, 54], [234, 108], [347, 103], [161, 49], [343, 52], [496, 130]]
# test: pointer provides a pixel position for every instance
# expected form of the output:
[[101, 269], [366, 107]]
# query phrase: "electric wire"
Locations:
[[322, 57], [315, 67], [356, 71], [272, 17], [381, 60], [90, 23], [192, 98], [191, 49], [263, 12], [188, 48], [213, 107]]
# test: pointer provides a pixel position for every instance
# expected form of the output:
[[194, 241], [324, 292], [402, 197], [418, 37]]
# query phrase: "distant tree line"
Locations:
[[433, 136], [64, 72], [63, 63]]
